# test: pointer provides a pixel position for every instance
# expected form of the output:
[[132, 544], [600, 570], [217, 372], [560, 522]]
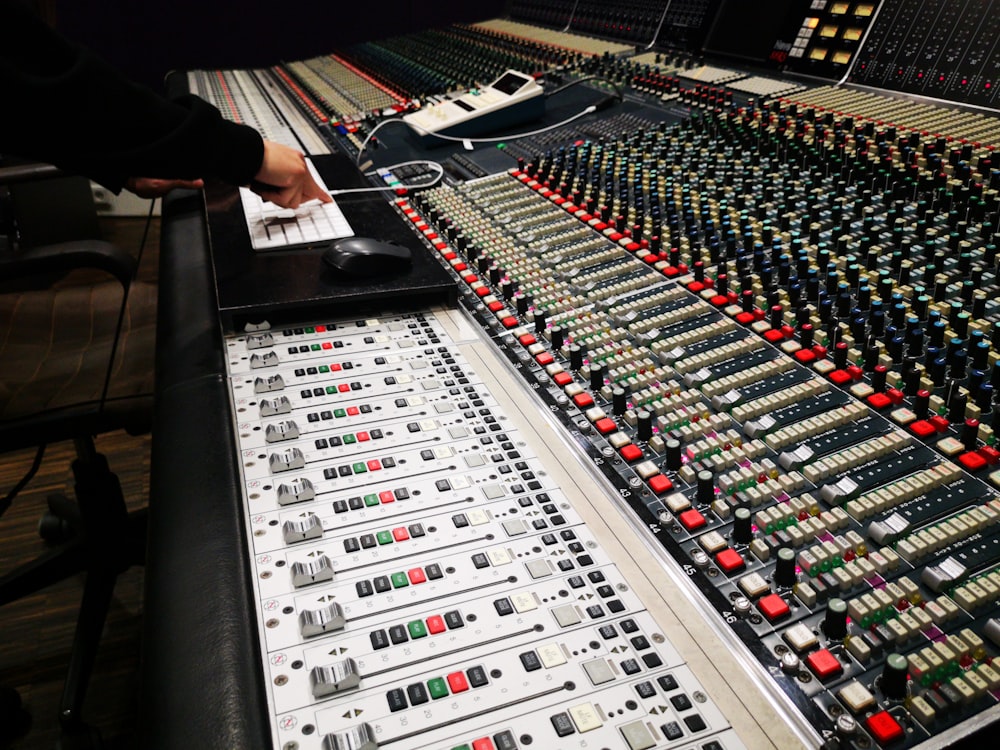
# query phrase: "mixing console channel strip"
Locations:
[[433, 569]]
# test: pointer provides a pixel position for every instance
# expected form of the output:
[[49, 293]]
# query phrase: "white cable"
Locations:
[[432, 164]]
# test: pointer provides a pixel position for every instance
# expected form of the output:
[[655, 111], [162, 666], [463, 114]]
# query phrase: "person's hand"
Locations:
[[151, 187], [284, 178]]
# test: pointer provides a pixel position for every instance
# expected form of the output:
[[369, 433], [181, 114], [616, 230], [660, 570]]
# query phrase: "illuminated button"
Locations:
[[729, 560], [484, 743], [604, 426], [884, 728], [631, 452], [773, 607], [458, 682], [417, 575], [824, 664], [583, 400], [435, 625], [972, 461], [692, 519], [660, 484], [562, 379]]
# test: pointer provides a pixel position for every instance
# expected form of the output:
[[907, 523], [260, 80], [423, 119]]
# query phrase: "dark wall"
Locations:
[[147, 39]]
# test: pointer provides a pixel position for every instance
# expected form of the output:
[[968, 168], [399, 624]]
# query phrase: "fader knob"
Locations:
[[835, 621], [742, 526], [644, 425], [673, 455], [970, 431], [893, 681], [575, 357], [558, 337], [706, 487], [539, 321], [619, 403], [596, 376]]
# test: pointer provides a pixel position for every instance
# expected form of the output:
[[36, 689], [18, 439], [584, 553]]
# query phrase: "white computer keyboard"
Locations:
[[274, 228]]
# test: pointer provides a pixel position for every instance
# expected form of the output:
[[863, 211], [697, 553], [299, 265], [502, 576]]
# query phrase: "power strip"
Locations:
[[511, 99]]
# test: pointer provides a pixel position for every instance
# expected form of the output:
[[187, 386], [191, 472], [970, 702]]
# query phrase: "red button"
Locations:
[[773, 336], [631, 452], [509, 322], [386, 496], [343, 387], [940, 424], [660, 484], [527, 339], [695, 286], [320, 329], [895, 395], [729, 560], [363, 437], [773, 607], [327, 345], [720, 300], [922, 428], [805, 356], [400, 534], [544, 359], [824, 664], [457, 682], [563, 379], [855, 372], [483, 291], [483, 744], [604, 426], [495, 305], [972, 461], [417, 575], [991, 454], [745, 318], [374, 465], [692, 519], [353, 411], [335, 368], [884, 728], [583, 400], [879, 400], [435, 624], [840, 377]]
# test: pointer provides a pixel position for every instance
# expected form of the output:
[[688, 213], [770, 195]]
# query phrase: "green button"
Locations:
[[349, 439], [371, 500], [340, 413], [437, 687], [331, 389], [399, 580], [324, 368], [462, 747], [417, 629], [359, 467], [315, 347], [310, 330], [384, 537]]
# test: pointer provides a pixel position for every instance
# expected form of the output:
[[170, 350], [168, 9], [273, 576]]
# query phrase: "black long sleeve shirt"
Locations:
[[60, 103]]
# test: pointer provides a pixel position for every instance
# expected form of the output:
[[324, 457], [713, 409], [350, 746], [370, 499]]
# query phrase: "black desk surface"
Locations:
[[284, 285]]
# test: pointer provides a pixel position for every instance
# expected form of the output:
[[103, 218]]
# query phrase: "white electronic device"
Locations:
[[511, 99]]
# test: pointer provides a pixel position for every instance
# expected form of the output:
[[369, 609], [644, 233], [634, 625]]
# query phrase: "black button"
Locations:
[[652, 660], [401, 494], [453, 619], [368, 541], [460, 520], [540, 525], [630, 666], [562, 724], [433, 572], [351, 545], [336, 442], [639, 643], [505, 741], [596, 576], [713, 745], [695, 723], [427, 455], [417, 693], [582, 559], [595, 611], [313, 417], [397, 634], [503, 607], [607, 632], [667, 683], [549, 539], [397, 700], [344, 471], [356, 503], [412, 426], [416, 530], [575, 582], [479, 560], [530, 661], [321, 444], [388, 463], [575, 547], [364, 588], [477, 676], [442, 485], [672, 731], [629, 626], [379, 639], [339, 506], [605, 591], [382, 584], [326, 415], [524, 502], [645, 690], [566, 565], [681, 702], [616, 606]]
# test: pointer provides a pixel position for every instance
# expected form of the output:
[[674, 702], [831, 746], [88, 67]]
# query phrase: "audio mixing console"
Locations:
[[706, 456]]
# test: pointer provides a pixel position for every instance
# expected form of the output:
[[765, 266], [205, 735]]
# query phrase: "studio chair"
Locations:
[[75, 362]]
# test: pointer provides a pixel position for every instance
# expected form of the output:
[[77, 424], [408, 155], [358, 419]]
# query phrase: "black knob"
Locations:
[[576, 357], [706, 487], [970, 431], [618, 401], [539, 321], [893, 681], [921, 403], [522, 304], [673, 455], [644, 425], [596, 376], [742, 526], [558, 337], [784, 570], [835, 621]]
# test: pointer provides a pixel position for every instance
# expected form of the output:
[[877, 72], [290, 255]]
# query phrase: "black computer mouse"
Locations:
[[364, 256]]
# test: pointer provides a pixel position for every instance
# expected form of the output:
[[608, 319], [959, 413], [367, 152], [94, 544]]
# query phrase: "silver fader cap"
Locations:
[[944, 575], [361, 737], [271, 407], [312, 571], [293, 458], [279, 432], [795, 458], [313, 622], [302, 529], [260, 341], [756, 428], [693, 379], [297, 491], [268, 359], [268, 385], [838, 492], [335, 678]]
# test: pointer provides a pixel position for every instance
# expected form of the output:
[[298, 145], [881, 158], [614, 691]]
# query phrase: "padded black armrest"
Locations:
[[70, 256], [32, 172]]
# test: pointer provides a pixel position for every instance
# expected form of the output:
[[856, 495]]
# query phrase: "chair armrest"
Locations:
[[68, 256], [29, 173]]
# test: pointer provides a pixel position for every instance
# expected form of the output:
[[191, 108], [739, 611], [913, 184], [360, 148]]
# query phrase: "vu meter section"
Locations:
[[433, 569]]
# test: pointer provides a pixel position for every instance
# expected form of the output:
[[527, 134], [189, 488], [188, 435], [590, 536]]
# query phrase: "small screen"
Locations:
[[509, 83], [465, 105], [748, 29]]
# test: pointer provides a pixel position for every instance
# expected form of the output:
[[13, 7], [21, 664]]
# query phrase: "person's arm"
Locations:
[[68, 107]]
